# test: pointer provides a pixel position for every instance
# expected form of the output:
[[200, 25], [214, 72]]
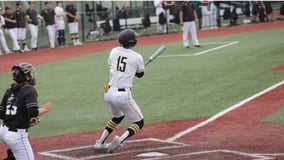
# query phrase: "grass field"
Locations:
[[172, 88]]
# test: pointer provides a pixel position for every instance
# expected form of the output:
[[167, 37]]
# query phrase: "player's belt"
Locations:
[[15, 129], [121, 89]]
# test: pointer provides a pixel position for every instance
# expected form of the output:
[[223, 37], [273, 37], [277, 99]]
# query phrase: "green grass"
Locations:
[[276, 117], [172, 88]]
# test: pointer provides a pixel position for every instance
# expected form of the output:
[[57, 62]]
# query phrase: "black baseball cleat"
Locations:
[[197, 46], [10, 155], [187, 47], [18, 51]]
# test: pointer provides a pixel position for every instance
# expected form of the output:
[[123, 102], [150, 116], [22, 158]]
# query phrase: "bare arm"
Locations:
[[181, 18], [45, 108], [195, 16], [10, 20]]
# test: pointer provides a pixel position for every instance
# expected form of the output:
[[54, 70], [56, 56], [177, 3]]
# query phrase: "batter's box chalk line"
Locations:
[[255, 156], [163, 145]]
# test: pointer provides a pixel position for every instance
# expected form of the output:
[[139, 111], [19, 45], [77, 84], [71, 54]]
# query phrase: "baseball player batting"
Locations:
[[19, 111], [124, 65]]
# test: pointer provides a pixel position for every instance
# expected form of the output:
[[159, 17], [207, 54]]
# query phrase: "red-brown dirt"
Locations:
[[279, 68], [241, 130]]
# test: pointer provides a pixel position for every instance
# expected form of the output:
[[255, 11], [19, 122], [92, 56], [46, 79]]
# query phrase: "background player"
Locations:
[[21, 26], [31, 17], [187, 16], [19, 110], [2, 36], [72, 19], [60, 14], [49, 17], [124, 65], [11, 25]]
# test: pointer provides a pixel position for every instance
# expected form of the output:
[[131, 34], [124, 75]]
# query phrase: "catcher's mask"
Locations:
[[128, 38], [24, 72]]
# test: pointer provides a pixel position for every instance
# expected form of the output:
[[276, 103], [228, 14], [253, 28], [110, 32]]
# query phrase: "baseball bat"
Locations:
[[155, 55]]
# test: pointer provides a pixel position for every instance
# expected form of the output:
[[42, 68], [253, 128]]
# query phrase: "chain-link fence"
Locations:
[[102, 20]]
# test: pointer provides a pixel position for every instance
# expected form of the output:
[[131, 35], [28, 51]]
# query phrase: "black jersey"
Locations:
[[33, 16], [20, 18], [18, 106], [48, 16], [72, 10], [10, 25], [188, 11]]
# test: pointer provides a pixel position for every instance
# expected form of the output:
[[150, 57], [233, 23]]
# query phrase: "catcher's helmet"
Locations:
[[128, 38], [24, 72]]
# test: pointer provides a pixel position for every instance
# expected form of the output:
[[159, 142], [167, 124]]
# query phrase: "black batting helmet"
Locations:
[[128, 38], [24, 72]]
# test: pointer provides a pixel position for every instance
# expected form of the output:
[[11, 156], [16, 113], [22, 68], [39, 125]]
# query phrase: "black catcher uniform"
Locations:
[[19, 105]]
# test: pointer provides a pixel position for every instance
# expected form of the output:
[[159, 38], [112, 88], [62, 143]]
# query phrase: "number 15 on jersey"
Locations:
[[121, 64]]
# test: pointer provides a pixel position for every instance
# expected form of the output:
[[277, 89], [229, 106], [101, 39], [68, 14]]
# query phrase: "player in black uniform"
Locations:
[[31, 17], [11, 25], [19, 111], [49, 17], [21, 26], [72, 19]]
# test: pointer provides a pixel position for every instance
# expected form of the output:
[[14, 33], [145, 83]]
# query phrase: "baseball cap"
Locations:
[[31, 2], [7, 7], [46, 2], [19, 3]]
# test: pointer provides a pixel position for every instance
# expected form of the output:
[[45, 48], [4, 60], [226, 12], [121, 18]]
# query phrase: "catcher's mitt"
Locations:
[[34, 121]]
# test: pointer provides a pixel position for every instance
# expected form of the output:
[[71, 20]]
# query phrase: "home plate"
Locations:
[[152, 154]]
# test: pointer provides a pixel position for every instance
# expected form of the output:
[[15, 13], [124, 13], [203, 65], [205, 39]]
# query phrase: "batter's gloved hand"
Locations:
[[106, 87], [34, 121]]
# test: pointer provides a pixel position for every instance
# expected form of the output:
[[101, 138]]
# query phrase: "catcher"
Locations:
[[19, 111]]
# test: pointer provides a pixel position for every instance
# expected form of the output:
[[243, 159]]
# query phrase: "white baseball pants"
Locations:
[[13, 34], [3, 41], [122, 103], [51, 30], [189, 27], [21, 33], [205, 17], [18, 142], [34, 35], [60, 25], [73, 27]]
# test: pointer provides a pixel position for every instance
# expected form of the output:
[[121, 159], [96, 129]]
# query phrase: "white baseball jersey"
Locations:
[[124, 64], [59, 19]]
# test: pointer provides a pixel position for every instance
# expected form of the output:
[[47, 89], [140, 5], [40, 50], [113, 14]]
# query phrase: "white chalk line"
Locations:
[[56, 153], [220, 114], [202, 52], [258, 156]]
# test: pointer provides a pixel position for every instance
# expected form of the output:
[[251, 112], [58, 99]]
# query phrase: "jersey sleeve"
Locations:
[[3, 106], [181, 6], [140, 65], [67, 9], [31, 102]]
